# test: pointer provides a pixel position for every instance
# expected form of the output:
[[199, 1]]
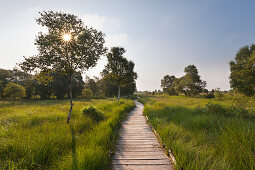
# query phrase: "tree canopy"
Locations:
[[14, 91], [242, 76], [119, 69], [68, 46], [190, 84], [167, 82]]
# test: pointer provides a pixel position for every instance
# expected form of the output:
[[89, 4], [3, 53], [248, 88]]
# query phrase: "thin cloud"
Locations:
[[100, 22]]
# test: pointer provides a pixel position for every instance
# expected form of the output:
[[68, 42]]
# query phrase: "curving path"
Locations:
[[137, 146]]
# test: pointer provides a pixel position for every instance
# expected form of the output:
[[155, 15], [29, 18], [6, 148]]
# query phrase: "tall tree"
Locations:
[[167, 82], [119, 68], [242, 76], [191, 84], [68, 46]]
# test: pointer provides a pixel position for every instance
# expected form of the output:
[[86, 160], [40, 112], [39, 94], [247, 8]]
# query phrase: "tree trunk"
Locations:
[[118, 94], [70, 97]]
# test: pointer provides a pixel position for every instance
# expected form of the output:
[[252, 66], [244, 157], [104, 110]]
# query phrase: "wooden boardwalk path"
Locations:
[[137, 146]]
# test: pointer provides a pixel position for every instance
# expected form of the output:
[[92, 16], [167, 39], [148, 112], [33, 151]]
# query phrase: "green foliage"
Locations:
[[87, 93], [132, 97], [1, 88], [218, 94], [68, 57], [210, 95], [171, 91], [14, 91], [190, 84], [49, 143], [166, 83], [202, 135], [80, 52], [93, 85], [108, 87], [242, 69], [93, 113], [119, 70], [5, 78]]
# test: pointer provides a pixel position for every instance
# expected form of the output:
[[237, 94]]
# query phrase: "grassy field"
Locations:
[[205, 133], [35, 135]]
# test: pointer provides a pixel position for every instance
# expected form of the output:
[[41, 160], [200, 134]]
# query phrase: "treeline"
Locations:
[[17, 84], [242, 78], [190, 84]]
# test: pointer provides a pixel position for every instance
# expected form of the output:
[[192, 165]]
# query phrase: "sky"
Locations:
[[162, 37]]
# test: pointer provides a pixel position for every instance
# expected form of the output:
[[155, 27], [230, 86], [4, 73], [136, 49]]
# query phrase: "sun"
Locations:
[[67, 37]]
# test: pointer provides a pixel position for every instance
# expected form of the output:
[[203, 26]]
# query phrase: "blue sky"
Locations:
[[161, 37]]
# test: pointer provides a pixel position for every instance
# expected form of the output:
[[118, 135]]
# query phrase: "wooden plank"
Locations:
[[137, 146], [137, 157], [141, 162], [141, 167]]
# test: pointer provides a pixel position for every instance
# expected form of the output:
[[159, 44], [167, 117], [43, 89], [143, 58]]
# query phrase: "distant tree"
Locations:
[[30, 86], [26, 80], [92, 85], [1, 88], [190, 84], [218, 94], [177, 86], [171, 91], [43, 90], [68, 46], [59, 84], [14, 91], [77, 84], [87, 93], [119, 68], [242, 76], [167, 82], [107, 86], [5, 78]]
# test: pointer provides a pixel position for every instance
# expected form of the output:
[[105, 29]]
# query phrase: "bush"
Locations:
[[132, 97], [218, 94], [87, 93], [14, 91], [210, 96], [93, 113]]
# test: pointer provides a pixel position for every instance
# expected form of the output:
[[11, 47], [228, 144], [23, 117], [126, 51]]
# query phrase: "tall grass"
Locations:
[[35, 135], [202, 135]]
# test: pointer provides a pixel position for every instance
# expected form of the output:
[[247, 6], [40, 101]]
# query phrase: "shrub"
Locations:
[[14, 91], [87, 93], [132, 97], [93, 113], [210, 96], [219, 94]]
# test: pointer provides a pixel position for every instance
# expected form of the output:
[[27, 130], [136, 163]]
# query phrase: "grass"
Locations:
[[205, 133], [35, 135]]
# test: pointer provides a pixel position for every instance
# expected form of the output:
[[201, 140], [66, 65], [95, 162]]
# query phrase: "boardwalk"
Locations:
[[137, 146]]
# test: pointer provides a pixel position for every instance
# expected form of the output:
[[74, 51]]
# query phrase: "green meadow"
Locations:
[[205, 133], [34, 134]]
